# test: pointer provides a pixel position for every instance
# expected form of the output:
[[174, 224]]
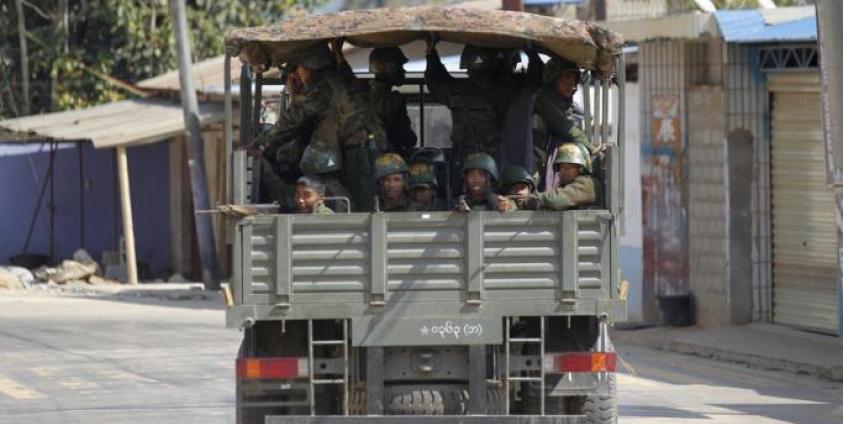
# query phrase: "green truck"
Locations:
[[428, 316]]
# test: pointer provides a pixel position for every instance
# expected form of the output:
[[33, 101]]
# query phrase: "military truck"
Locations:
[[427, 316]]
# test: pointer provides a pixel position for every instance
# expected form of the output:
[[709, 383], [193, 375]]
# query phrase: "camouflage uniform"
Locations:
[[554, 118], [515, 174], [321, 209], [359, 136], [479, 103], [387, 64], [276, 189], [580, 192], [388, 164], [489, 201], [423, 174]]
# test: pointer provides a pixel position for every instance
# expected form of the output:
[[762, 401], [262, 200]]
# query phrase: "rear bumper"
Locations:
[[430, 419]]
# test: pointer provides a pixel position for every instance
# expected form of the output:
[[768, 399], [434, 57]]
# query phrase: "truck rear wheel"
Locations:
[[603, 409], [434, 400]]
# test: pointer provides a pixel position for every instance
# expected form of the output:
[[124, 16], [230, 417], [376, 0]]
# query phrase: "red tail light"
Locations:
[[581, 362], [255, 368]]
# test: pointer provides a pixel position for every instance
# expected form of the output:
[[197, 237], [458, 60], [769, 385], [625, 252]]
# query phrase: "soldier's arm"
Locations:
[[404, 137], [437, 77], [580, 192], [556, 119], [294, 121], [535, 67]]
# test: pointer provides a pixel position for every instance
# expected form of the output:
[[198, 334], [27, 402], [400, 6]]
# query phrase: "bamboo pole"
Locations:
[[126, 206]]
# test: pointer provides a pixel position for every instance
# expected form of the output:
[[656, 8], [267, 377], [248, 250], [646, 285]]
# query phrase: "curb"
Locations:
[[668, 341]]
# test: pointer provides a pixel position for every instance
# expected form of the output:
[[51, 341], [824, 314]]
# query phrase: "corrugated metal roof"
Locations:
[[757, 26], [123, 123], [207, 76]]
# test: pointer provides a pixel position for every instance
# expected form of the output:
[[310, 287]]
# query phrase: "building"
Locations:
[[735, 205]]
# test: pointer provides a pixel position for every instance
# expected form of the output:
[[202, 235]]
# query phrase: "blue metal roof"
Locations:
[[749, 26]]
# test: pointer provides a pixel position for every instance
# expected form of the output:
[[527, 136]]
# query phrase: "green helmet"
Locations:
[[573, 153], [386, 55], [315, 57], [390, 163], [556, 67], [422, 174], [516, 174], [486, 58], [319, 160], [482, 161], [430, 155]]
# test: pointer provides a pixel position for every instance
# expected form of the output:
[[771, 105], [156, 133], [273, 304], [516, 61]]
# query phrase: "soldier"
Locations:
[[480, 174], [576, 185], [310, 196], [516, 181], [424, 181], [554, 116], [423, 188], [479, 103], [392, 173], [351, 135]]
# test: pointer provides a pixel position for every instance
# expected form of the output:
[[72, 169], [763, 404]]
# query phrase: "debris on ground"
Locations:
[[9, 281], [81, 270], [23, 276]]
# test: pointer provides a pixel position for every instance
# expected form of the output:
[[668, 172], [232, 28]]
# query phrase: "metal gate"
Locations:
[[804, 235]]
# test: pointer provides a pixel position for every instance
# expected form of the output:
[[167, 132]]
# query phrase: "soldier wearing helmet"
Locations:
[[387, 65], [576, 185], [392, 175], [516, 181], [480, 173], [555, 115], [424, 181], [479, 103], [345, 133]]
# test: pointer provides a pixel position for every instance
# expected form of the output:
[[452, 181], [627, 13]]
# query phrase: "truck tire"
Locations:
[[441, 401], [603, 409], [428, 401]]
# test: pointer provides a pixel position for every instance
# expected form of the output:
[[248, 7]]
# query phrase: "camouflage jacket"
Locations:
[[321, 209], [356, 122], [403, 205], [392, 108], [435, 205], [581, 192], [487, 203]]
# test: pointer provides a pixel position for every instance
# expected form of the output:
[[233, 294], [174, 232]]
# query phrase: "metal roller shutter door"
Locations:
[[804, 234]]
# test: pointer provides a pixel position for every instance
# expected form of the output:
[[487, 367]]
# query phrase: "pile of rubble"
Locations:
[[82, 269]]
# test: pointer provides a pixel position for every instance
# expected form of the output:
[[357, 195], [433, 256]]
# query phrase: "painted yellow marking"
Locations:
[[120, 376], [18, 391], [74, 383], [44, 372]]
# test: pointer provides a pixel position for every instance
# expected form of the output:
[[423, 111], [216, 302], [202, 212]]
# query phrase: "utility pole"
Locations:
[[195, 150], [830, 38]]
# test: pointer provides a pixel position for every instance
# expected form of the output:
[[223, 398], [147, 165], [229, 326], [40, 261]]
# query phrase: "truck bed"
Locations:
[[480, 265]]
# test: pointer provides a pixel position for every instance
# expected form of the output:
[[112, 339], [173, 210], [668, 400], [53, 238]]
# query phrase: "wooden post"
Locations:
[[195, 150], [126, 206]]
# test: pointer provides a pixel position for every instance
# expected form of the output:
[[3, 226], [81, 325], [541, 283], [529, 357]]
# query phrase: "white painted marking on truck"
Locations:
[[18, 391]]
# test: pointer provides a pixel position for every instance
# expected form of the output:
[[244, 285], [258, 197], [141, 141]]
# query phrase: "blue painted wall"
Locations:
[[149, 177]]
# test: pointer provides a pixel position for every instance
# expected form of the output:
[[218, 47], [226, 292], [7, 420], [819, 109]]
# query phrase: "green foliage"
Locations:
[[129, 40]]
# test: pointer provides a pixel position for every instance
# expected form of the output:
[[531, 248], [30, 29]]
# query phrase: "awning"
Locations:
[[123, 123]]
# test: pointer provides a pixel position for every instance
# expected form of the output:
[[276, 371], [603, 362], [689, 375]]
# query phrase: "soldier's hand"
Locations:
[[431, 43], [256, 149], [504, 205], [336, 47], [462, 206]]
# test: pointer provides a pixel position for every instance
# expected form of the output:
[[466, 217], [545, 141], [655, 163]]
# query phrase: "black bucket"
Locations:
[[30, 260], [677, 310]]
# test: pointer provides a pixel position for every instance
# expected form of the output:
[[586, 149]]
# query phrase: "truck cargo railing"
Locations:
[[428, 264]]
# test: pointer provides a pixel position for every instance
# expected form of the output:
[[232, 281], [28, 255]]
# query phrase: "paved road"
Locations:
[[77, 360]]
